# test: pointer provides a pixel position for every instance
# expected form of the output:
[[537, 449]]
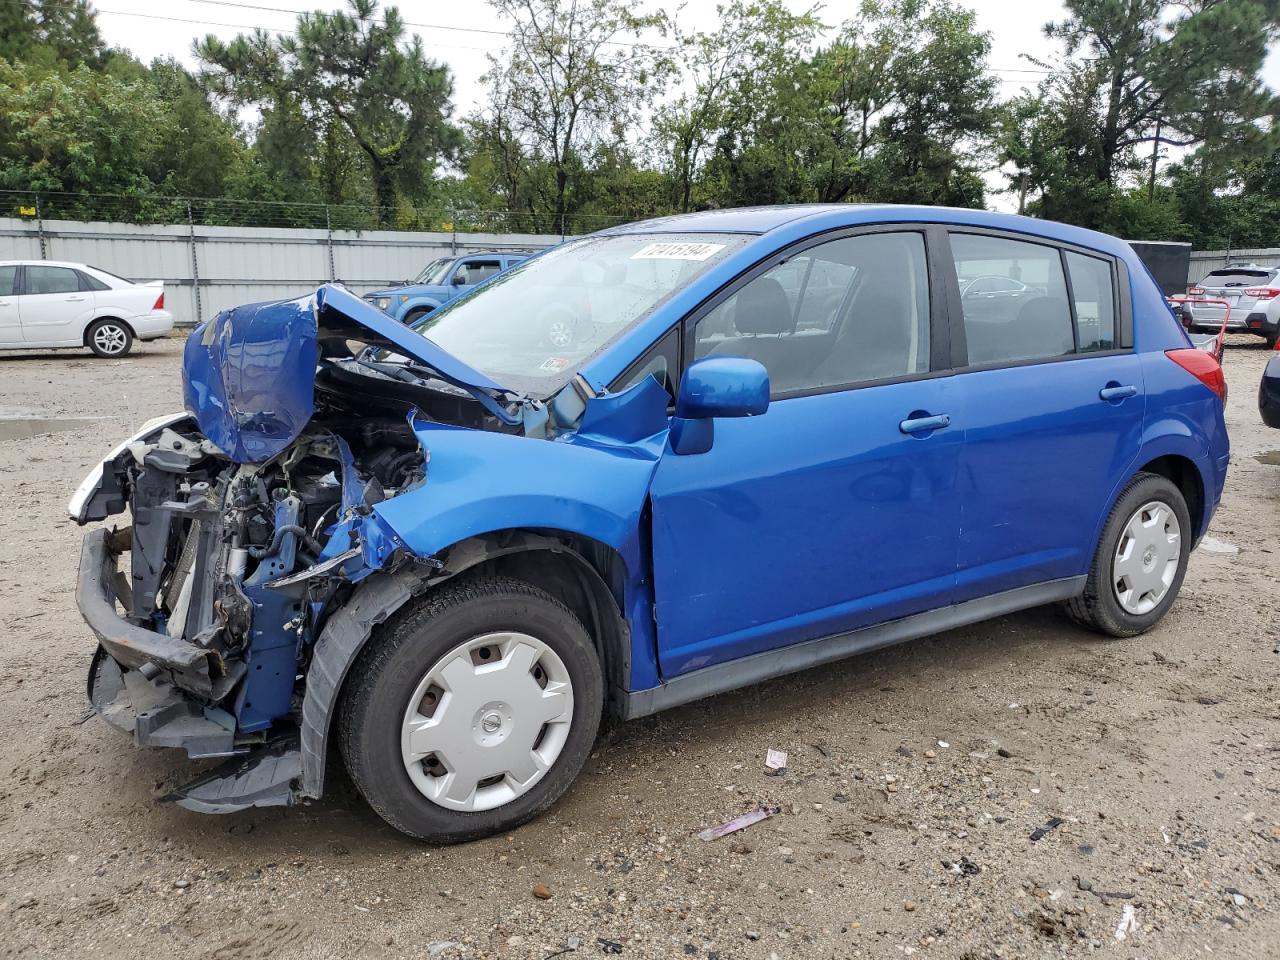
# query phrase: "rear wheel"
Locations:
[[109, 338], [473, 711], [1271, 338], [1140, 561]]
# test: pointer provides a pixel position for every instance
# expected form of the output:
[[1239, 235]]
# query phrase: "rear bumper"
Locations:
[[149, 326]]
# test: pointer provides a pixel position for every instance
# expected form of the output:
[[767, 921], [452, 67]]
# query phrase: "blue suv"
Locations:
[[782, 436], [439, 282]]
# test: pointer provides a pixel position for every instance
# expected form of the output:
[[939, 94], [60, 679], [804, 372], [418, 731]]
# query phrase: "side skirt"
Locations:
[[800, 656]]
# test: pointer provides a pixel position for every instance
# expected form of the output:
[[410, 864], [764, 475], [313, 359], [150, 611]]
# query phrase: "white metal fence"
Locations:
[[206, 269]]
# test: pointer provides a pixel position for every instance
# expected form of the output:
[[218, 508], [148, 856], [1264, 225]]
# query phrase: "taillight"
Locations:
[[1262, 293], [1203, 366], [1195, 291], [159, 304]]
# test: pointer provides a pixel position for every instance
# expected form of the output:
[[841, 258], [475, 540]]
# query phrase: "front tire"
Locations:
[[471, 711], [1140, 561], [109, 339]]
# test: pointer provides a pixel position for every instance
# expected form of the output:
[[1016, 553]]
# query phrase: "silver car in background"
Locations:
[[1251, 291]]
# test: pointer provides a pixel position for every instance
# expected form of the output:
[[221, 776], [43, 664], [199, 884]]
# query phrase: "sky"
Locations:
[[462, 34]]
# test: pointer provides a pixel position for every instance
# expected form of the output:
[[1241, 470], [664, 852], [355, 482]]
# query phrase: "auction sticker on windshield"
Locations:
[[677, 251]]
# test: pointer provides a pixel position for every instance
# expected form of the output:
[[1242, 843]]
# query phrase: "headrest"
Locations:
[[762, 308]]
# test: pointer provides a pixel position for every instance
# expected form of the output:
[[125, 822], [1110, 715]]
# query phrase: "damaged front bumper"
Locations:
[[157, 689]]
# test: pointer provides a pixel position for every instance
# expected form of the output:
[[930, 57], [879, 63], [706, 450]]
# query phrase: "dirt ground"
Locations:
[[916, 778]]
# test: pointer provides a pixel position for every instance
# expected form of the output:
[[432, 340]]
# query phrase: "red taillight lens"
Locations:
[[1203, 367], [1195, 291], [159, 304], [1262, 293]]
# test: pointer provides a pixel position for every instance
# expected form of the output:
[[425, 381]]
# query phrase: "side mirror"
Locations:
[[716, 387], [459, 279]]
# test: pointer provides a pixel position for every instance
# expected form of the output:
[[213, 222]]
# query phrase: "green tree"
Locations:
[[1141, 74], [353, 70], [755, 45], [572, 82], [77, 130], [50, 31]]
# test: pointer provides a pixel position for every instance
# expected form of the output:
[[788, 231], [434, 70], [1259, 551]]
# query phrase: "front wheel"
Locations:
[[1140, 561], [473, 711]]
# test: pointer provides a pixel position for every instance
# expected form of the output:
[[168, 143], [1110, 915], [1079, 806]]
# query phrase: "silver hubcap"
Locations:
[[1147, 557], [560, 333], [109, 338], [487, 721]]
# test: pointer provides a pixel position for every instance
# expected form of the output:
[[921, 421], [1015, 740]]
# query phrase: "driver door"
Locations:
[[835, 509]]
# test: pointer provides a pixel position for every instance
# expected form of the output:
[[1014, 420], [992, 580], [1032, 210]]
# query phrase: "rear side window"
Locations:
[[8, 281], [1093, 295], [1013, 296], [41, 279]]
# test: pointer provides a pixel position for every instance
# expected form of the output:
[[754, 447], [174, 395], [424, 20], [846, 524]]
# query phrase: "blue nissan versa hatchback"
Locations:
[[786, 435]]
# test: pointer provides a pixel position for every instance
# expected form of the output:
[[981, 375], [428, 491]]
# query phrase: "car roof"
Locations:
[[799, 219], [43, 263]]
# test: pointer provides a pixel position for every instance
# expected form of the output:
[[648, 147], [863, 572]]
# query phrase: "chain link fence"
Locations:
[[146, 208]]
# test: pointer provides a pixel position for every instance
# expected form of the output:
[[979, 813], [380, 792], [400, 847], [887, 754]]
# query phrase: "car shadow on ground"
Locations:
[[932, 665]]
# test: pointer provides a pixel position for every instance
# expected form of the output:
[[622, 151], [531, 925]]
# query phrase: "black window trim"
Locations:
[[939, 333], [1121, 300]]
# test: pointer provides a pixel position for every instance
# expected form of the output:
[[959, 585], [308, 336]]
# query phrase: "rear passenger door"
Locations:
[[1051, 400], [10, 326], [836, 508], [55, 305]]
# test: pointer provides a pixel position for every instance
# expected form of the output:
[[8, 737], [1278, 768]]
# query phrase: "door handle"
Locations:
[[925, 424], [1114, 391], [74, 299]]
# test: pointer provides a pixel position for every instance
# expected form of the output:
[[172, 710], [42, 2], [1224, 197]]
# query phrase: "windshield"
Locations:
[[531, 327], [434, 272]]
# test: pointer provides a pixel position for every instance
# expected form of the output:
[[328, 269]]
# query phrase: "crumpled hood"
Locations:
[[249, 373]]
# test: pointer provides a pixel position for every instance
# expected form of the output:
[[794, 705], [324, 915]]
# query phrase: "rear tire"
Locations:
[[394, 677], [1270, 339], [1126, 593], [109, 339]]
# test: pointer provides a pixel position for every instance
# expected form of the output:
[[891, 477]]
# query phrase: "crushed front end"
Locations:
[[251, 519], [207, 605]]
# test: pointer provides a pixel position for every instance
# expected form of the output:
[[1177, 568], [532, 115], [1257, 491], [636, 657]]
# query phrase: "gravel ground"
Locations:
[[916, 778]]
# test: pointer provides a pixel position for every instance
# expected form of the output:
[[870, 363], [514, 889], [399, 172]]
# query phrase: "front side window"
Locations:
[[1093, 295], [1021, 311], [42, 279], [844, 312], [473, 271], [533, 325]]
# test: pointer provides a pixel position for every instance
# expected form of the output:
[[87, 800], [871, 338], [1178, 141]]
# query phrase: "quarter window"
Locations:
[[42, 279], [1013, 296], [841, 313], [1093, 295]]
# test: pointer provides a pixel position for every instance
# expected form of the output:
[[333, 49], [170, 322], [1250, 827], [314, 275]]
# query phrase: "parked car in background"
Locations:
[[1269, 392], [441, 281], [46, 303], [450, 551], [1252, 295]]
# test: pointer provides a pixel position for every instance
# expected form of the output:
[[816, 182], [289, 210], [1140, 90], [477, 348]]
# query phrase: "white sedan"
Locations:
[[45, 303]]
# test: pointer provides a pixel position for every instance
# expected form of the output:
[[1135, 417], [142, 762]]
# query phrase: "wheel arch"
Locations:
[[417, 303], [588, 576]]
